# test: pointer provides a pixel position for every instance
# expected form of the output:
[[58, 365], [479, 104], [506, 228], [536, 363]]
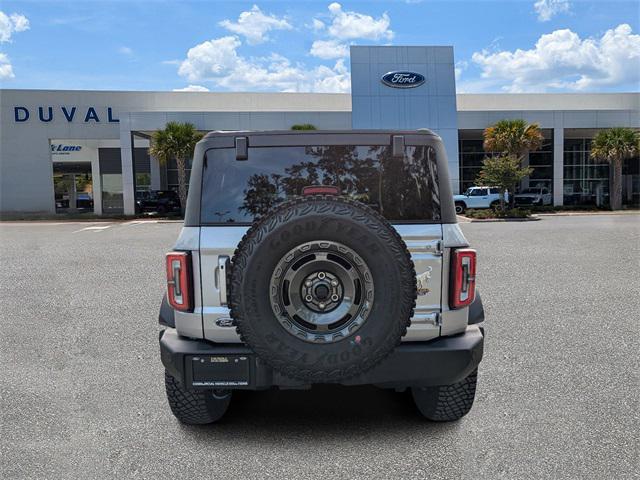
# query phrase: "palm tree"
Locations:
[[177, 141], [514, 139], [614, 146]]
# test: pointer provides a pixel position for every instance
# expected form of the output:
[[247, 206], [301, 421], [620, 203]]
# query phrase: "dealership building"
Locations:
[[65, 151]]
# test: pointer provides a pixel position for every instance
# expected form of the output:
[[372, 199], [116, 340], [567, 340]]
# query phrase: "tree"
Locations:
[[303, 126], [614, 146], [176, 141], [504, 172], [513, 138]]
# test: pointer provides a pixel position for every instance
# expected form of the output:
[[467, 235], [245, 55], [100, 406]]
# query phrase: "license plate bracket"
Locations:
[[220, 371]]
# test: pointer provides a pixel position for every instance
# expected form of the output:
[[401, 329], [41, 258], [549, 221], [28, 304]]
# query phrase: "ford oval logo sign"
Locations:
[[403, 79]]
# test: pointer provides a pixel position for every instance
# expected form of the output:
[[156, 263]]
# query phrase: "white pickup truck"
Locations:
[[534, 196], [478, 197]]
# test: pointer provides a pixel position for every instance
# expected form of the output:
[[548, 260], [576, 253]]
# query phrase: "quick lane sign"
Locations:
[[61, 149], [403, 79], [47, 114]]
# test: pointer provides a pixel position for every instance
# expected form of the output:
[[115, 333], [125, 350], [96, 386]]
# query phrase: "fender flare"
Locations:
[[476, 310], [166, 316]]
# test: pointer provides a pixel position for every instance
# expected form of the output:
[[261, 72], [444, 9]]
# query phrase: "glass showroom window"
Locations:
[[541, 161], [142, 166], [586, 181], [471, 156], [631, 182]]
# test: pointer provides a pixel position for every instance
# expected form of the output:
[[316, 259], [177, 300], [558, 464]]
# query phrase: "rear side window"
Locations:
[[402, 189]]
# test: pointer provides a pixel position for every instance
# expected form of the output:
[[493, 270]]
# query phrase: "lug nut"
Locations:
[[334, 283], [321, 305], [334, 297], [308, 298], [308, 283], [321, 275]]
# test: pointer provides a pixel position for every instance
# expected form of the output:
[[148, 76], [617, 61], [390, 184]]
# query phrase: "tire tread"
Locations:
[[197, 407], [319, 204], [447, 403]]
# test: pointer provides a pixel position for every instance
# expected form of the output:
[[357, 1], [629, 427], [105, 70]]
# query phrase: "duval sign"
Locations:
[[47, 114], [402, 79]]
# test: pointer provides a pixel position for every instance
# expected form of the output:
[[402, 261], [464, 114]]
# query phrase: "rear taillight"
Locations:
[[179, 291], [462, 290]]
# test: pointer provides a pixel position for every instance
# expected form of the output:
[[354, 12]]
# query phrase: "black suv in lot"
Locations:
[[162, 202], [320, 257]]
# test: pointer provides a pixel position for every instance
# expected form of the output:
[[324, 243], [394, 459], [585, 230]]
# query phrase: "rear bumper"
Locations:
[[202, 364]]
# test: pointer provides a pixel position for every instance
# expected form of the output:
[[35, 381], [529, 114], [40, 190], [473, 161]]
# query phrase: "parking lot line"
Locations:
[[94, 228]]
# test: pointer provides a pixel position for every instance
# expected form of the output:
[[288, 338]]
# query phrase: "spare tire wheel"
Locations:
[[322, 288]]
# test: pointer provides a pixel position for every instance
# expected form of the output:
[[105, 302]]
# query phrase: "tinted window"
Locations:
[[494, 191], [402, 189]]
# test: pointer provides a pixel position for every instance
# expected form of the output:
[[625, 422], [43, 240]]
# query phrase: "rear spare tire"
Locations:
[[322, 288]]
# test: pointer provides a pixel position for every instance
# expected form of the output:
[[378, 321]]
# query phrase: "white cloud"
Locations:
[[210, 59], [125, 51], [218, 61], [6, 70], [351, 25], [328, 49], [562, 60], [460, 67], [10, 24], [192, 88], [345, 25], [254, 25], [547, 9], [331, 80]]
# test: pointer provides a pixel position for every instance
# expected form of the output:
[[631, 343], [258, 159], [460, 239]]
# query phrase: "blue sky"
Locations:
[[500, 46]]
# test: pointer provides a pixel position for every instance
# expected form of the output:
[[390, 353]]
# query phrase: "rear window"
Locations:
[[401, 189]]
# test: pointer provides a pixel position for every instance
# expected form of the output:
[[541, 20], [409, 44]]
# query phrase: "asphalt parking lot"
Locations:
[[82, 395]]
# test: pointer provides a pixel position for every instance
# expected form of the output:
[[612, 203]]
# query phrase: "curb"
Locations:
[[577, 214], [496, 220]]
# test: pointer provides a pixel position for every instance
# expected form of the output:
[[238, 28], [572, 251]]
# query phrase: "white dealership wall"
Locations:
[[26, 183]]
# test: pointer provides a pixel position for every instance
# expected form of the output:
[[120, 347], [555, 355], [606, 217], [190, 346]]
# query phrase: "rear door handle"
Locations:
[[221, 278]]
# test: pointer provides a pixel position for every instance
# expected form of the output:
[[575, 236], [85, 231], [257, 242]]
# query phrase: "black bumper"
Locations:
[[202, 364]]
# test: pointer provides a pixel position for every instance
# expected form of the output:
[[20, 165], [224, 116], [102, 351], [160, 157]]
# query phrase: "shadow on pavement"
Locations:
[[324, 412]]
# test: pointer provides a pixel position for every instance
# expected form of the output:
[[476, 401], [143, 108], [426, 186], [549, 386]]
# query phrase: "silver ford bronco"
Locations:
[[320, 257]]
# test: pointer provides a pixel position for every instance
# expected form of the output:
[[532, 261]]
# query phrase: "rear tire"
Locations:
[[446, 403], [195, 407], [460, 208]]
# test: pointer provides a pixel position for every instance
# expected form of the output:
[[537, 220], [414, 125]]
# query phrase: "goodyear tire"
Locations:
[[446, 403], [195, 407], [322, 288]]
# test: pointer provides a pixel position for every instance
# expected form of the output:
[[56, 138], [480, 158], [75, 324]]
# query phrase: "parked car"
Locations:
[[84, 200], [161, 202], [533, 196], [287, 274], [479, 197]]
